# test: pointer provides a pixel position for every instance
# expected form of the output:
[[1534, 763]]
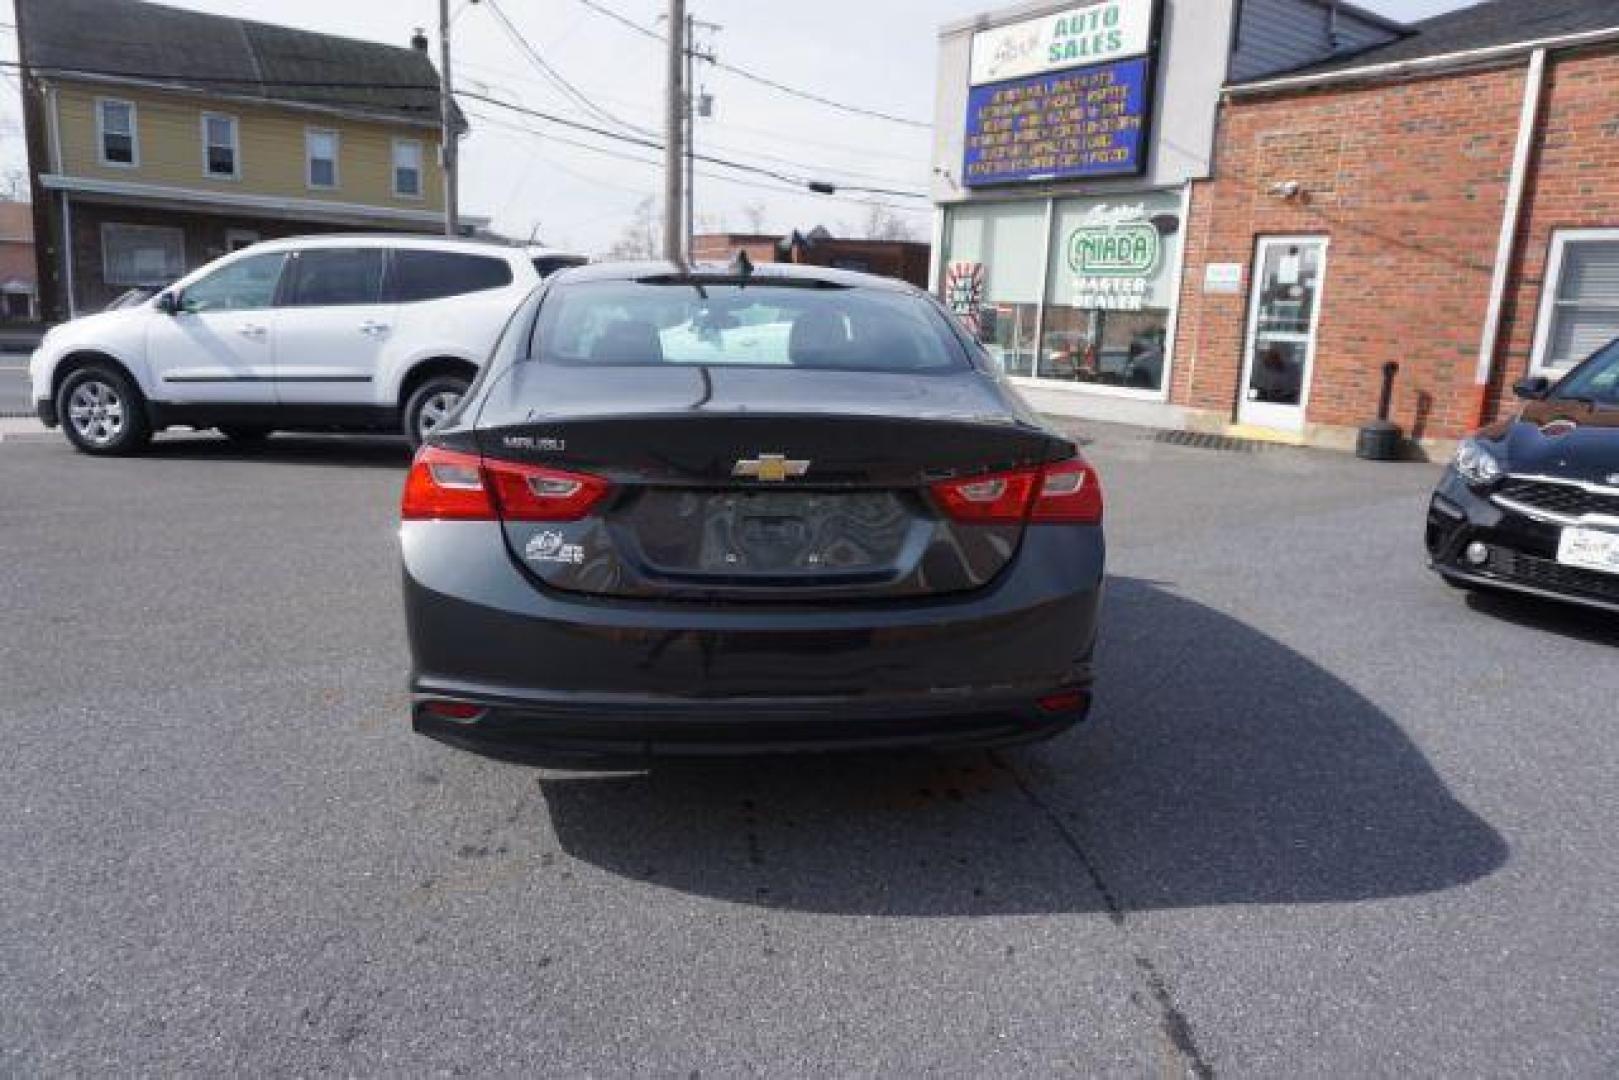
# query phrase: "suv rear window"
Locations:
[[764, 325], [327, 277], [434, 275]]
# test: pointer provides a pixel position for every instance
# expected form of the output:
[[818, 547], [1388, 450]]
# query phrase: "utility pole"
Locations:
[[696, 105], [673, 130], [448, 150], [691, 134]]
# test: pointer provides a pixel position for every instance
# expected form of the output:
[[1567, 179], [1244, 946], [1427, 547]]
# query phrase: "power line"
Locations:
[[821, 187], [554, 76], [707, 174], [220, 80], [846, 148], [780, 87], [183, 81]]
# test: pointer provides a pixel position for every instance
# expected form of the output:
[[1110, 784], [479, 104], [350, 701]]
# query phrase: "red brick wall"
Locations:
[[1408, 181], [1574, 185]]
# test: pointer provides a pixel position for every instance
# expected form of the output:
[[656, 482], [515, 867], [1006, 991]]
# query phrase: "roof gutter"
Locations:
[[1426, 64]]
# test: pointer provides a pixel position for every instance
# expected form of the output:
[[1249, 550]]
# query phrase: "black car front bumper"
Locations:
[[1521, 550], [547, 674]]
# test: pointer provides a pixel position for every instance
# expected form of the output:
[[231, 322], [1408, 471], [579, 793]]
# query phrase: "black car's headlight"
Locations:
[[1477, 464]]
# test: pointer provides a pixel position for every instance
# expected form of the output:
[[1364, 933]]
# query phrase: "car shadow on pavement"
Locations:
[[347, 451], [1548, 616], [1222, 768]]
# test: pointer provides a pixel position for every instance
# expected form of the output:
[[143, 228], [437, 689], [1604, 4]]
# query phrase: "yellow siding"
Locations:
[[271, 140]]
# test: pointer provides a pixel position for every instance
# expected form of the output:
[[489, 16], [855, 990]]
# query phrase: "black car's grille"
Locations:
[[1559, 498], [1548, 574]]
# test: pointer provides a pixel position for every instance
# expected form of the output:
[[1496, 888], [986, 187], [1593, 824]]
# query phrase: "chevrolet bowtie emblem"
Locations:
[[772, 467]]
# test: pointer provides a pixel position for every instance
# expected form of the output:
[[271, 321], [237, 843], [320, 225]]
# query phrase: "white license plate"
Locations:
[[1589, 549]]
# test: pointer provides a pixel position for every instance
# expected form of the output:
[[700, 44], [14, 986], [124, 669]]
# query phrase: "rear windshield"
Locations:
[[765, 325]]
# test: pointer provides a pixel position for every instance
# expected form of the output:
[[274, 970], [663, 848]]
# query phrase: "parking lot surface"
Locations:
[[16, 397], [1331, 816]]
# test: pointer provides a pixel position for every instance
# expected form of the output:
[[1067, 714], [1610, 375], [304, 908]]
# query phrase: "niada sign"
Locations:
[[1116, 253], [1129, 249], [1092, 33]]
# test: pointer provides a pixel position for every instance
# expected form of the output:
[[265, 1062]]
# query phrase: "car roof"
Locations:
[[388, 240], [763, 273]]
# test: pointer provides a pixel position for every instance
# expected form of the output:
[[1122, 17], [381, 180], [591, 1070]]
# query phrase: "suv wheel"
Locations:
[[431, 404], [102, 412]]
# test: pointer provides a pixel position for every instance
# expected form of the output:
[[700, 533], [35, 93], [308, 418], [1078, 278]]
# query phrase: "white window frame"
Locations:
[[309, 158], [421, 169], [1552, 282], [235, 146], [134, 134], [106, 263]]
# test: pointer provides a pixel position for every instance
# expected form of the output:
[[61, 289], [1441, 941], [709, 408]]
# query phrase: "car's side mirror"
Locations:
[[169, 303], [1534, 389]]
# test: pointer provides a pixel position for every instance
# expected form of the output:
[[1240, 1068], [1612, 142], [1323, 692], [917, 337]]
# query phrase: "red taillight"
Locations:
[[530, 493], [1068, 491], [448, 485], [1072, 492]]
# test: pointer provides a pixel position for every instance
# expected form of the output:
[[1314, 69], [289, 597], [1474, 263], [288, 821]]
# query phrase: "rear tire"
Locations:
[[245, 434], [102, 413], [430, 404]]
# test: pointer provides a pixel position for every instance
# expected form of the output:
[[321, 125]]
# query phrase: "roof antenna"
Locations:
[[742, 266]]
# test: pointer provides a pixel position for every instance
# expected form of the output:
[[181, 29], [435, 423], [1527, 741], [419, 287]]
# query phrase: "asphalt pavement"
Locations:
[[16, 397], [1331, 817]]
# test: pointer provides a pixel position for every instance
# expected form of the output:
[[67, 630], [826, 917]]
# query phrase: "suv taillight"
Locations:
[[1064, 492], [448, 485]]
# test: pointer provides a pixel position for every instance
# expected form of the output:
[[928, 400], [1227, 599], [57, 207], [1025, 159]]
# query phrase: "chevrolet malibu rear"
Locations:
[[746, 511]]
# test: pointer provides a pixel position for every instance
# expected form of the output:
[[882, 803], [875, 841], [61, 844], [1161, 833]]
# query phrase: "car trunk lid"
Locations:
[[766, 484]]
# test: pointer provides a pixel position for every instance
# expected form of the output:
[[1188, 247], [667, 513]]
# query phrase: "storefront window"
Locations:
[[993, 277], [1109, 290]]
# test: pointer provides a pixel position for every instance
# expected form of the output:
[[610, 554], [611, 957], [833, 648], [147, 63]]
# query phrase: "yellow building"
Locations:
[[160, 139]]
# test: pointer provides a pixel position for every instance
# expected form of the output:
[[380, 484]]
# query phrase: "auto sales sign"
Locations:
[[1083, 34], [1061, 96]]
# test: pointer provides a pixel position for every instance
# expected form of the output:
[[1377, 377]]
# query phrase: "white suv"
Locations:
[[315, 333]]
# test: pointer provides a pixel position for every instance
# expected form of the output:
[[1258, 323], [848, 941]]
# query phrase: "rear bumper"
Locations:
[[1522, 552], [557, 673], [583, 732]]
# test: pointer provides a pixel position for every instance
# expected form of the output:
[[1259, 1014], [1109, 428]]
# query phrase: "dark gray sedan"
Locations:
[[716, 511]]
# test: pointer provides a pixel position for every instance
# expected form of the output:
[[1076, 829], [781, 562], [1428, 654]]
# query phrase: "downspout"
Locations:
[[1511, 220]]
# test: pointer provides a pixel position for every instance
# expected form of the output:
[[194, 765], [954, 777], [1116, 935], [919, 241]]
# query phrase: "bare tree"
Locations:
[[884, 224], [755, 212], [640, 238], [713, 223]]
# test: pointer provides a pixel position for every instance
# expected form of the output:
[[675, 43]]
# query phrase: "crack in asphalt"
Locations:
[[1174, 1023]]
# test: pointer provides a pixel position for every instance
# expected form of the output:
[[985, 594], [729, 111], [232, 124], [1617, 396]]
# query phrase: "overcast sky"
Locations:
[[878, 54]]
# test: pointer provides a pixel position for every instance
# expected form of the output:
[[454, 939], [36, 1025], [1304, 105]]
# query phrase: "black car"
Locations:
[[738, 510], [1531, 504]]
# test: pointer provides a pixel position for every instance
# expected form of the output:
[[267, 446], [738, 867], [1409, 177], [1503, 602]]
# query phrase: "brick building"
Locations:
[[19, 283], [890, 258], [1252, 233], [1449, 202]]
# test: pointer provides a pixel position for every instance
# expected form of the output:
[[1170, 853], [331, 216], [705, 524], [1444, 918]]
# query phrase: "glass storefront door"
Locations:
[[1282, 323]]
